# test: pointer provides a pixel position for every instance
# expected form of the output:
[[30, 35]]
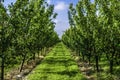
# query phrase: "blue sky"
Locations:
[[60, 7]]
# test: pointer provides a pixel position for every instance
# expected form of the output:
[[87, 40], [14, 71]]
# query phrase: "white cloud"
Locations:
[[61, 6], [56, 21], [49, 1]]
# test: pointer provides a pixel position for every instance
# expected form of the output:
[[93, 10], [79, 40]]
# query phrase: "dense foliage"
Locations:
[[26, 27], [94, 31]]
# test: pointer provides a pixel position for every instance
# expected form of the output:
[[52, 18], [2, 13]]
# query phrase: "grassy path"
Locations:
[[57, 65]]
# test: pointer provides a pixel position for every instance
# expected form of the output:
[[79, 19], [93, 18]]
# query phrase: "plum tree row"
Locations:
[[26, 27], [95, 31]]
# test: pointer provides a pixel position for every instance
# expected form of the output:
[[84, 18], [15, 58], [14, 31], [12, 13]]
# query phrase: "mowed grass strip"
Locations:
[[57, 65]]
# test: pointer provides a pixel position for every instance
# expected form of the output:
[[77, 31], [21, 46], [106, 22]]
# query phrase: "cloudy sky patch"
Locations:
[[61, 6]]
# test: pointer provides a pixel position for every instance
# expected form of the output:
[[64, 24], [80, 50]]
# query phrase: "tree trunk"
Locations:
[[111, 66], [2, 68], [33, 56], [38, 54], [97, 63], [89, 58], [83, 56], [23, 61], [112, 59], [78, 52]]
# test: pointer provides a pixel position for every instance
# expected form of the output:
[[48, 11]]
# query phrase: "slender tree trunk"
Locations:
[[33, 56], [89, 57], [83, 56], [38, 53], [97, 63], [78, 52], [111, 60], [2, 68], [96, 60], [2, 50], [23, 61], [111, 66]]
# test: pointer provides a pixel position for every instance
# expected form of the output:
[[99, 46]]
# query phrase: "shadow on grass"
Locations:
[[65, 61]]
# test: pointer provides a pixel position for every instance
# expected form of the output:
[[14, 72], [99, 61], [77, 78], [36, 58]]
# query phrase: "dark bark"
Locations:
[[111, 66], [38, 54], [89, 57], [33, 56], [83, 56], [78, 52], [97, 62], [112, 59], [2, 68], [23, 61]]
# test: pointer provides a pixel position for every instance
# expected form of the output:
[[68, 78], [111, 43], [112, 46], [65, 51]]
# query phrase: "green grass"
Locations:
[[104, 74], [57, 65]]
